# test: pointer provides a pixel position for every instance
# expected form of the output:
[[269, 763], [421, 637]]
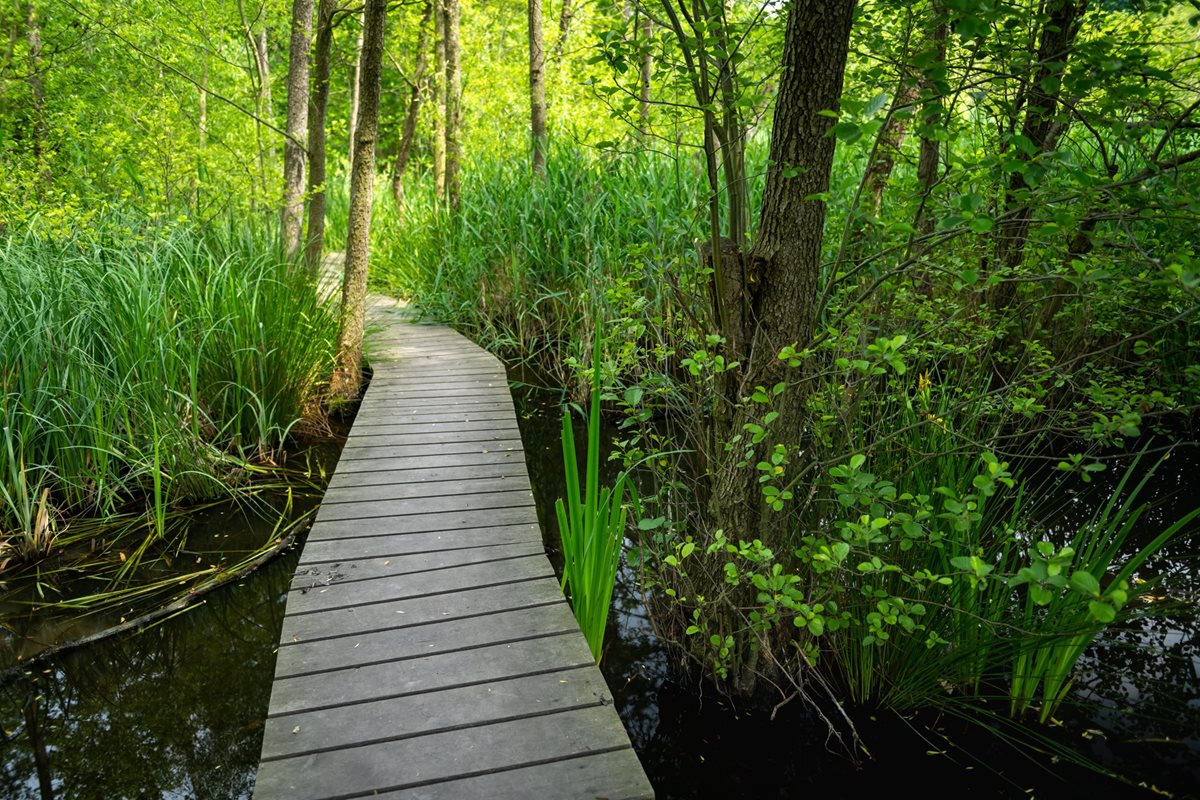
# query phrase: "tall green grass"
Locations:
[[523, 263], [147, 364]]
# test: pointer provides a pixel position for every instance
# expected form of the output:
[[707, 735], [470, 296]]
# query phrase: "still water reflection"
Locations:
[[174, 712]]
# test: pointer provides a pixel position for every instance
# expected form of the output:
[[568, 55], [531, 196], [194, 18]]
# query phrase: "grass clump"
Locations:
[[147, 365]]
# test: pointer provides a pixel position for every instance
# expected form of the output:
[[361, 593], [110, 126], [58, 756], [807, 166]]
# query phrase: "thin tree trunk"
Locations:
[[262, 61], [356, 81], [453, 103], [783, 266], [537, 89], [647, 58], [931, 116], [314, 248], [565, 16], [412, 113], [439, 91], [202, 133], [292, 213], [37, 95], [891, 139], [347, 376], [1040, 130]]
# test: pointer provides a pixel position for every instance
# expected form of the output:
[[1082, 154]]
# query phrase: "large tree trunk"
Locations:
[[1040, 129], [292, 213], [783, 268], [412, 113], [439, 93], [537, 89], [347, 376], [453, 103], [356, 81], [314, 247]]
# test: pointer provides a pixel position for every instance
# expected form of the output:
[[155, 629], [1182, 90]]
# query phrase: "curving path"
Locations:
[[427, 651]]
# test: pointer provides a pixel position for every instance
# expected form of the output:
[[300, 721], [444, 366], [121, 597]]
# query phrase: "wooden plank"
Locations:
[[354, 568], [414, 421], [470, 459], [367, 723], [409, 763], [503, 627], [614, 775], [350, 594], [482, 520], [332, 550], [502, 419], [403, 373], [428, 673], [417, 450], [425, 488], [342, 481], [434, 434], [473, 602], [436, 378], [517, 497]]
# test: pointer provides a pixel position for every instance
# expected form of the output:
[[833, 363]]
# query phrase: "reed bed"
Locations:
[[147, 366]]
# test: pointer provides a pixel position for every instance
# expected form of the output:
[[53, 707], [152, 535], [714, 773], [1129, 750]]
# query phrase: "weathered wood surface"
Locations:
[[427, 652]]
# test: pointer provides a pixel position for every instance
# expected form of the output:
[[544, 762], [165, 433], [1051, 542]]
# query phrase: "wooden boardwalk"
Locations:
[[427, 651]]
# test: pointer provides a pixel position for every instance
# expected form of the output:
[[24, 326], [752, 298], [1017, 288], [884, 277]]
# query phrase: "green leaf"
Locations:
[[848, 132], [982, 224], [1086, 582], [1040, 594], [1102, 612]]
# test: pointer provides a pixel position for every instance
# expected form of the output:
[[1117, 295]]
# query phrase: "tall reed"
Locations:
[[591, 524], [148, 363]]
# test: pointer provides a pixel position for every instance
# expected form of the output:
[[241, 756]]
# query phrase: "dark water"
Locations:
[[177, 711], [1138, 697]]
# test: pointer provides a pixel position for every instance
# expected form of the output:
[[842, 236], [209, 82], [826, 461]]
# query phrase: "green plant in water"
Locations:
[[1062, 614], [591, 525]]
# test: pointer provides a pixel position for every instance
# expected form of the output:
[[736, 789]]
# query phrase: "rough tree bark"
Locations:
[[347, 375], [412, 113], [783, 265], [453, 103], [439, 94], [294, 146], [356, 80], [537, 90], [314, 247]]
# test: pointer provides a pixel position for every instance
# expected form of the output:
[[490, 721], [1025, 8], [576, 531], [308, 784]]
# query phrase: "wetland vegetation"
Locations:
[[890, 309]]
